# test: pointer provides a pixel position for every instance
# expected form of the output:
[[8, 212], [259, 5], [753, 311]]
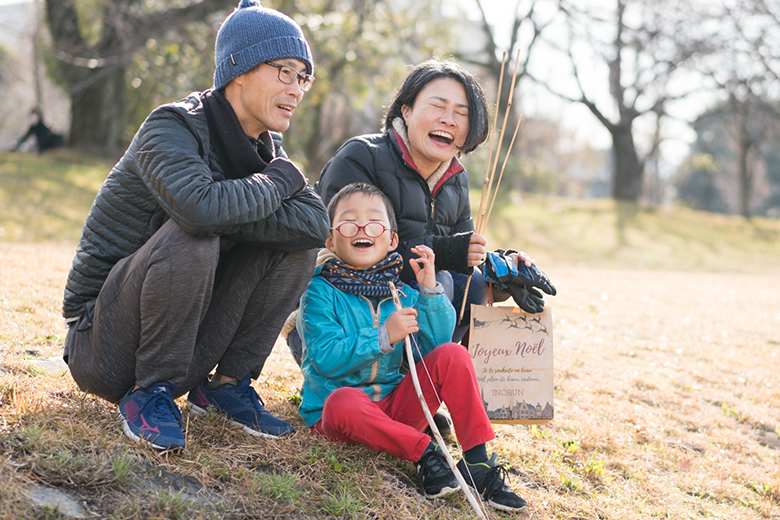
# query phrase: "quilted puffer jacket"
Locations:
[[424, 216], [170, 170]]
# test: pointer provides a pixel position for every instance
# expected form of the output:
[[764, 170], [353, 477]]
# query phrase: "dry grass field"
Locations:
[[667, 401]]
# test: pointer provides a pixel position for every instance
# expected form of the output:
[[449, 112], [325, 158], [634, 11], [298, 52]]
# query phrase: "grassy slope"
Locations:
[[607, 234], [47, 198], [666, 379]]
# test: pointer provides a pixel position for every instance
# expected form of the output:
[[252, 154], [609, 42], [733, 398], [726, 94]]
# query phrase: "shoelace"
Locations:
[[436, 463], [250, 396], [161, 408], [495, 481]]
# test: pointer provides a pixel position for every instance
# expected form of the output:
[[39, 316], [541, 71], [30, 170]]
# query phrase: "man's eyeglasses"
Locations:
[[350, 229], [289, 75]]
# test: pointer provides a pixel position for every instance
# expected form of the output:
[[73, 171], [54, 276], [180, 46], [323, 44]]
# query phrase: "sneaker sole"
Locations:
[[502, 507], [444, 491], [508, 508], [255, 433], [140, 440]]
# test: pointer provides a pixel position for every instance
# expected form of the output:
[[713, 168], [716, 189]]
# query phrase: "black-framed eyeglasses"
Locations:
[[289, 75], [350, 229]]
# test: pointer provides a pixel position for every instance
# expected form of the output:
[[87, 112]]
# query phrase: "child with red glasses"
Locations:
[[353, 337]]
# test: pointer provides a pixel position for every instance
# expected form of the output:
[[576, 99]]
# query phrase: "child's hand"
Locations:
[[423, 267], [401, 323]]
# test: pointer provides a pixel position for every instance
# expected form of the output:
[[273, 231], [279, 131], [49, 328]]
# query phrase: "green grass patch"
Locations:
[[605, 233], [47, 197]]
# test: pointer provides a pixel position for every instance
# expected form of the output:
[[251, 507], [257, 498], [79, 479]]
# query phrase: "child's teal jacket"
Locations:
[[340, 333]]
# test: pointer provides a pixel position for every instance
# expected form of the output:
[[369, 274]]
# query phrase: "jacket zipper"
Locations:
[[375, 314]]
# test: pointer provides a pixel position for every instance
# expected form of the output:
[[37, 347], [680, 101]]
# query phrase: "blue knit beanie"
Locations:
[[252, 35]]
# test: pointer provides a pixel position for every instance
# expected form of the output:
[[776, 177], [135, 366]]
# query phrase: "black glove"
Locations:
[[526, 297], [534, 276], [500, 269]]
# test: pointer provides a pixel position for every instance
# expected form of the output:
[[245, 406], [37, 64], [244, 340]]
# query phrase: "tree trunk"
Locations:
[[745, 179], [744, 144], [98, 112], [95, 72], [629, 170]]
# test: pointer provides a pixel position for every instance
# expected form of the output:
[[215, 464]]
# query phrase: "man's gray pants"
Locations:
[[178, 307]]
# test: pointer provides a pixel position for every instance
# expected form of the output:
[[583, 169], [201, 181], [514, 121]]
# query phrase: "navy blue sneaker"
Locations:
[[489, 479], [242, 405], [150, 416]]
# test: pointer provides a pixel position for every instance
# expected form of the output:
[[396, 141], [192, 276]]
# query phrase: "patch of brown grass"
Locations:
[[665, 381]]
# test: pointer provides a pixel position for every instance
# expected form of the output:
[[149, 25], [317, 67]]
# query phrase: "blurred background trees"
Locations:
[[674, 100]]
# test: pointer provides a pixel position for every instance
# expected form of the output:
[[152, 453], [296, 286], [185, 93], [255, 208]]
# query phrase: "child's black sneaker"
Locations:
[[443, 423], [489, 480], [434, 475]]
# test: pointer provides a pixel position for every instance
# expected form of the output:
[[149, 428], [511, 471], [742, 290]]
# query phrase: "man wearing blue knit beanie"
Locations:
[[200, 243]]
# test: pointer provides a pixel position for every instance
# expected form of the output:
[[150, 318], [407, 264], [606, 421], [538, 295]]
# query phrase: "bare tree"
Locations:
[[747, 69], [93, 51], [361, 49], [641, 47], [527, 27]]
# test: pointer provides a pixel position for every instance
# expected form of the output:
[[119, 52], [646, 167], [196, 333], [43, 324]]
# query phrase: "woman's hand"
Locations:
[[522, 257], [401, 323], [423, 267], [476, 249]]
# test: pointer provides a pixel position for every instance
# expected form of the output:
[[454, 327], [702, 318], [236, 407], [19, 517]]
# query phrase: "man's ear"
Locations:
[[393, 242]]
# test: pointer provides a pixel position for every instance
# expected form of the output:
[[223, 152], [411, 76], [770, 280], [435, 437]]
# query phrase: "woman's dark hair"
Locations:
[[424, 73], [366, 189]]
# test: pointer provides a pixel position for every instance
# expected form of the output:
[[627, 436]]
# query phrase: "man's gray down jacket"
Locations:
[[170, 166]]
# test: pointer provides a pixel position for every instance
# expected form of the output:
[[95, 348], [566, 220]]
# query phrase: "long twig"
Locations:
[[475, 505], [482, 222], [488, 182], [503, 166]]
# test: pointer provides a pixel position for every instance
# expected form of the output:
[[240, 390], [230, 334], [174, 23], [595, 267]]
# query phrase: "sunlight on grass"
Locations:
[[667, 344], [47, 197], [603, 233]]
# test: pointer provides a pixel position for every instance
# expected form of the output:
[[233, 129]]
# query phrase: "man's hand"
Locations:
[[423, 267], [401, 323]]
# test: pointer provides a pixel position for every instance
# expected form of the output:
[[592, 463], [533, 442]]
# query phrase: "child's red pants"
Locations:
[[395, 424]]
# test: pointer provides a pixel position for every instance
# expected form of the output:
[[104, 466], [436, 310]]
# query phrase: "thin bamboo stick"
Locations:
[[488, 182], [503, 166], [482, 219], [485, 187]]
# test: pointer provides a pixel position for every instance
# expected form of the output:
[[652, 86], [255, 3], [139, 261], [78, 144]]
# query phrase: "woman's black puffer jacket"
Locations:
[[441, 220]]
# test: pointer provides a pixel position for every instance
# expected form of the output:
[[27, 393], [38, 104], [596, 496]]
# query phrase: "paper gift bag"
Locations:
[[512, 353]]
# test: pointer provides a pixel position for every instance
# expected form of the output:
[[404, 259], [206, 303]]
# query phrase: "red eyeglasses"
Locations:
[[350, 229]]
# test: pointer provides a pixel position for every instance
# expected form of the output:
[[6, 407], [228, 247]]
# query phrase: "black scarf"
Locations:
[[234, 149]]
